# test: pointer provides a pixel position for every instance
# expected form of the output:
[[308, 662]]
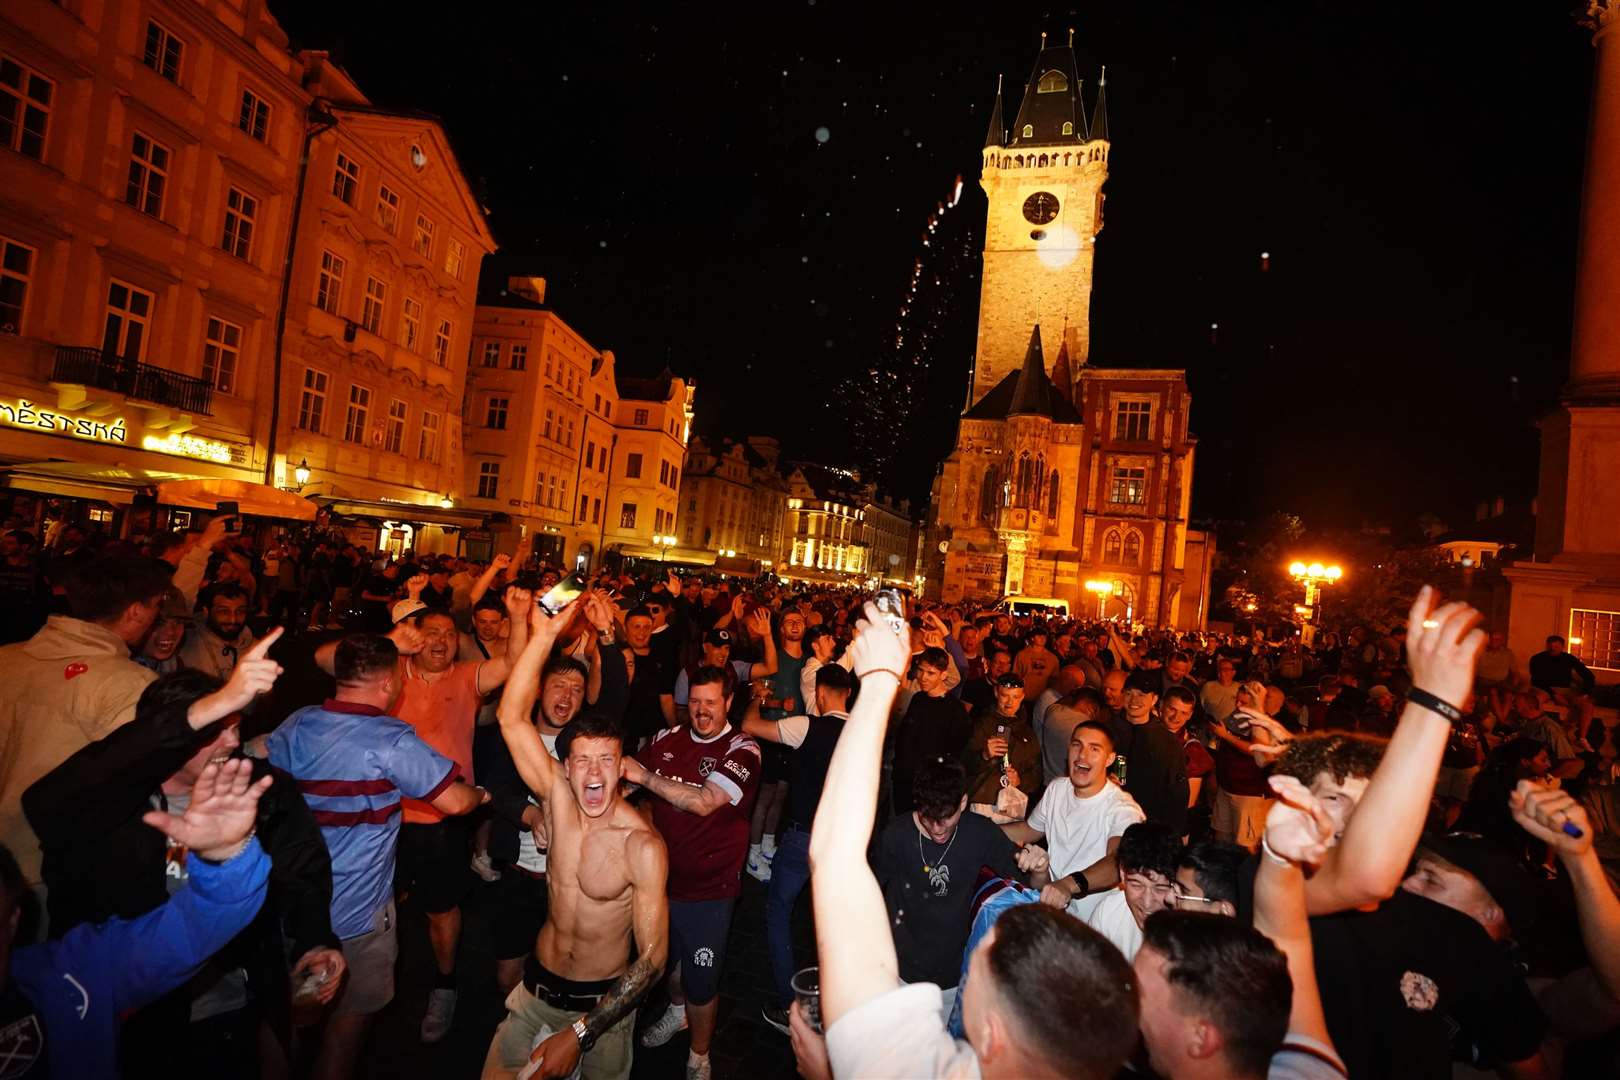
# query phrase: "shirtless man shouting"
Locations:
[[605, 879]]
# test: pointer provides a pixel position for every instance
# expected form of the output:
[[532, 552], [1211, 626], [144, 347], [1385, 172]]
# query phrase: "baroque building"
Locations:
[[1063, 473]]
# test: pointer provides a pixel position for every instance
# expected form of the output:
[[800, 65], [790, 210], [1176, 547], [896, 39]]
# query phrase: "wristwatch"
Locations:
[[583, 1034]]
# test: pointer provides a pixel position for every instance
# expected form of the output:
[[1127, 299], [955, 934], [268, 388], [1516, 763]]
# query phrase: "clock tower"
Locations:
[[1044, 180]]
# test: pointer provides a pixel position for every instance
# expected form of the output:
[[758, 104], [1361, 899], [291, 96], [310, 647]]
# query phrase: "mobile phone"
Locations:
[[892, 606], [562, 594], [231, 511]]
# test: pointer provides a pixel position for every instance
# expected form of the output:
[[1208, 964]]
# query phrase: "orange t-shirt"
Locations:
[[444, 713]]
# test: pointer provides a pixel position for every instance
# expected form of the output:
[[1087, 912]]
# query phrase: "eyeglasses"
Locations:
[[1181, 898]]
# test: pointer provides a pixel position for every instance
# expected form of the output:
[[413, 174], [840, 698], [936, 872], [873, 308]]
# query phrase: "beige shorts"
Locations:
[[370, 957], [1242, 817], [526, 1014]]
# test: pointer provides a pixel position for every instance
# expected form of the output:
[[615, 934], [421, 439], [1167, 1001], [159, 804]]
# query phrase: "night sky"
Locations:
[[1414, 174]]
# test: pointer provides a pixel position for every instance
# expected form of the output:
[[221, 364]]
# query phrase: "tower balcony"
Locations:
[[81, 365]]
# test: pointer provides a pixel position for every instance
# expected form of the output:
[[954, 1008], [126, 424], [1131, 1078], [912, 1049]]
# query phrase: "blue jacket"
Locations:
[[83, 983]]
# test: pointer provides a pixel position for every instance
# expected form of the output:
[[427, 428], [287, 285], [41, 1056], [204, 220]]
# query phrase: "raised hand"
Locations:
[[415, 585], [224, 805], [407, 639], [877, 648], [255, 674], [545, 628], [737, 608], [759, 623], [500, 562], [518, 602], [1543, 812], [598, 611], [673, 584], [1297, 827], [1442, 644], [215, 531]]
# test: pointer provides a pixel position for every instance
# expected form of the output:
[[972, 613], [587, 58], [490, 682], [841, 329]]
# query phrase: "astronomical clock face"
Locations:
[[1040, 207]]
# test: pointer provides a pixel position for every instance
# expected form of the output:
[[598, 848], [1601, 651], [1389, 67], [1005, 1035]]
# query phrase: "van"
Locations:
[[1037, 605]]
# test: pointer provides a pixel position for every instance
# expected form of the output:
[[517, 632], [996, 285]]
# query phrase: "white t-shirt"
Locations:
[[1077, 830], [530, 857], [1112, 919], [899, 1034]]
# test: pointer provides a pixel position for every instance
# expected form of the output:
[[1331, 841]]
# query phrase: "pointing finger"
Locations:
[[261, 648]]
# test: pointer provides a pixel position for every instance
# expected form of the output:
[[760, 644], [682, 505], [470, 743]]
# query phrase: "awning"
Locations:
[[674, 556], [415, 513], [260, 500], [115, 484]]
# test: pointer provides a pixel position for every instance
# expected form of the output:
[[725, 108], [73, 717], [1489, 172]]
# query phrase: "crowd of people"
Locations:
[[1035, 845]]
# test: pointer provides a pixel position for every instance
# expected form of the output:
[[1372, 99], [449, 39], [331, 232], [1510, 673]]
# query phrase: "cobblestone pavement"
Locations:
[[745, 1046]]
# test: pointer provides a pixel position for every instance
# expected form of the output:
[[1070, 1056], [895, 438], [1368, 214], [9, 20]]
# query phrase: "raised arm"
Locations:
[[1543, 813], [406, 638], [1297, 835], [1371, 858], [759, 625], [487, 578], [858, 962], [515, 712], [494, 671]]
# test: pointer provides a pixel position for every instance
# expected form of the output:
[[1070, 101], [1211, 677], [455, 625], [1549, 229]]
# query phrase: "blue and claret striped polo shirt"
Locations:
[[354, 763]]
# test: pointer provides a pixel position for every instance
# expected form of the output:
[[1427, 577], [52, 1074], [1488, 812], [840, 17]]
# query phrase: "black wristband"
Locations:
[[1080, 882], [1425, 700]]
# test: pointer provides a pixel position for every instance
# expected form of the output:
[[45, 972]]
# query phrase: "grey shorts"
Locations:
[[527, 1015], [370, 957]]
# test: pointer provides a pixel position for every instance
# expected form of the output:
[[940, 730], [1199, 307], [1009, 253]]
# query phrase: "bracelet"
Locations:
[[247, 842], [582, 1032], [899, 678], [1270, 853], [1425, 700], [1080, 882]]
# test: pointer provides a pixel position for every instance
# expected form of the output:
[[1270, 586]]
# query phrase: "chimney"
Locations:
[[530, 288]]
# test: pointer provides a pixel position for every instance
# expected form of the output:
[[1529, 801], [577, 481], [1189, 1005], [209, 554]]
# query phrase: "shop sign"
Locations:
[[25, 414], [192, 447]]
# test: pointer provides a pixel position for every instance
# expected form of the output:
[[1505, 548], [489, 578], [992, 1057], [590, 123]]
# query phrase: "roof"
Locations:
[[492, 292], [997, 135], [1025, 392], [656, 388], [1051, 100], [1099, 114]]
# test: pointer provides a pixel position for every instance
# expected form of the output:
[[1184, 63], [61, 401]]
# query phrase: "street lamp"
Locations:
[[663, 544], [301, 472], [1103, 589], [1313, 576]]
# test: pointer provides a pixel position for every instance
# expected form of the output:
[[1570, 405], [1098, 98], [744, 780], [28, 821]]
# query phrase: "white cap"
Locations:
[[406, 608]]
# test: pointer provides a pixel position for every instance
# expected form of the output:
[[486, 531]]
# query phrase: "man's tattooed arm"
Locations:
[[621, 1000], [649, 867]]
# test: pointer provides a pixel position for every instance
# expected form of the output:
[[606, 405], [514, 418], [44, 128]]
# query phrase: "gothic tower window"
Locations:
[[1068, 129], [1111, 546], [1024, 481], [1029, 131], [1053, 82], [1133, 547], [1052, 497], [989, 494]]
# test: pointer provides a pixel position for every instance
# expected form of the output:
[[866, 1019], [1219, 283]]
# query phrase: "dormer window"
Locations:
[[1068, 128], [1029, 131], [1052, 82]]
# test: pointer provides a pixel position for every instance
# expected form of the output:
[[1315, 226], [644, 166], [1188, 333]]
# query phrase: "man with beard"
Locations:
[[221, 634], [705, 774], [605, 884], [440, 698]]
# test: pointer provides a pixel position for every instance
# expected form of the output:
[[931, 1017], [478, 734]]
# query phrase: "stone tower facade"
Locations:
[[1044, 181]]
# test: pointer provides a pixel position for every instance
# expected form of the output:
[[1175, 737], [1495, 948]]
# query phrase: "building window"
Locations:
[[590, 454], [596, 406], [254, 118], [495, 413], [569, 442], [411, 324], [1128, 486], [345, 178], [1131, 420], [163, 51], [492, 354], [1029, 131], [551, 491], [489, 479], [312, 401], [240, 211], [520, 357], [371, 311], [354, 421], [16, 269], [129, 310], [455, 257], [547, 429], [222, 348], [329, 287], [596, 511], [1594, 637], [584, 505], [148, 175], [422, 241], [427, 443], [387, 208], [394, 438], [640, 418], [627, 516], [25, 106], [632, 466], [674, 477], [441, 343], [1133, 547], [1052, 499], [663, 471]]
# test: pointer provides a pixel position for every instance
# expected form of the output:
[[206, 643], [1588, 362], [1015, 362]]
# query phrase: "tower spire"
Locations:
[[1099, 115], [1062, 379], [997, 135], [1051, 112], [1032, 394]]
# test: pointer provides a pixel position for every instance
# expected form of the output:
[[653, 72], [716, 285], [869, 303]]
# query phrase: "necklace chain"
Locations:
[[927, 869]]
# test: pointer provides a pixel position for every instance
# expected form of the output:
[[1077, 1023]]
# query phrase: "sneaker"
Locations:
[[484, 868], [441, 1009], [777, 1018], [759, 868], [666, 1027], [699, 1069]]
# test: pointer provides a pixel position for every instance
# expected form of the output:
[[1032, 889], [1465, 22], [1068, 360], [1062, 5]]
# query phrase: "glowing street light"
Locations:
[[663, 544], [1313, 576], [1103, 590]]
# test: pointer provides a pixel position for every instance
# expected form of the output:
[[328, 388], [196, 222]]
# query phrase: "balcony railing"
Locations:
[[88, 366]]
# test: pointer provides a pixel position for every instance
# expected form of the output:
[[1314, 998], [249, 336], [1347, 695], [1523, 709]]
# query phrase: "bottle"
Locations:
[[1006, 757], [1118, 770]]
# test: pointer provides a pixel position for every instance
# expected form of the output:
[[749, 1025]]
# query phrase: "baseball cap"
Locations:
[[175, 606], [406, 608], [1010, 681], [1143, 681], [1496, 869], [717, 638], [1380, 691]]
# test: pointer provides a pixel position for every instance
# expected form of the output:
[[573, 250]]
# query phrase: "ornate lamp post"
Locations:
[[1103, 590], [1313, 576]]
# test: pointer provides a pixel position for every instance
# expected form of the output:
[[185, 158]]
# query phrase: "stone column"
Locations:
[[1595, 357]]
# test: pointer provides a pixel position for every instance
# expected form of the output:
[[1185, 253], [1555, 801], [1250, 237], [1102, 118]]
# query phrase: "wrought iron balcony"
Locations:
[[89, 366]]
